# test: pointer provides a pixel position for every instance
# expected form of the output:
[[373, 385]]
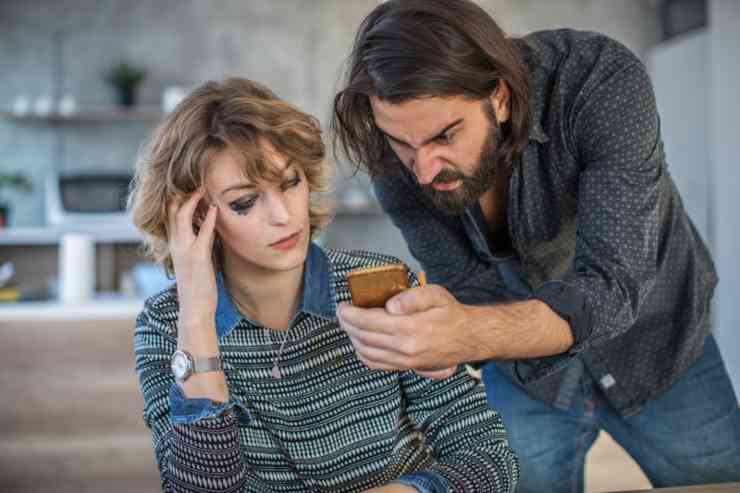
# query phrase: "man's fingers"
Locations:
[[416, 300], [370, 319], [437, 374], [371, 339], [379, 359], [376, 366]]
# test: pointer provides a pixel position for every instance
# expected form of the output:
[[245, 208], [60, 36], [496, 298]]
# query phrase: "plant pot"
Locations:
[[126, 96]]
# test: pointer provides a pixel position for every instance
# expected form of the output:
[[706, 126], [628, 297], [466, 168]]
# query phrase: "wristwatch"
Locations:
[[184, 365]]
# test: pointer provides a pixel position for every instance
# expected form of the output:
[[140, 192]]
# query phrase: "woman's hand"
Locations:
[[192, 259]]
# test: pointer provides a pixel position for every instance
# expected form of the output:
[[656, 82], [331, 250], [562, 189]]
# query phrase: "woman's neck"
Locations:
[[267, 296]]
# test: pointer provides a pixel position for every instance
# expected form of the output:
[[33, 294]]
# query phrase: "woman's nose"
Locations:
[[277, 207]]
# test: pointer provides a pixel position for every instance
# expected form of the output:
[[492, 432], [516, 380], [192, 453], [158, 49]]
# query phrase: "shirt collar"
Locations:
[[318, 296], [530, 50]]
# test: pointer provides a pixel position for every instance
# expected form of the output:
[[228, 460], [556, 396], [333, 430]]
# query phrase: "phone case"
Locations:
[[372, 287]]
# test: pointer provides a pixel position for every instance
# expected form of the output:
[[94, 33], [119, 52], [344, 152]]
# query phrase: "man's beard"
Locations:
[[473, 187]]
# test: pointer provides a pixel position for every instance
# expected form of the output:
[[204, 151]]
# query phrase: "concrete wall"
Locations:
[[724, 108], [294, 46]]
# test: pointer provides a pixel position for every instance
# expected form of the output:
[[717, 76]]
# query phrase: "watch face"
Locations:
[[180, 365]]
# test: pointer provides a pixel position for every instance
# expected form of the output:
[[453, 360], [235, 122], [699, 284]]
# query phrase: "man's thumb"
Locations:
[[413, 300]]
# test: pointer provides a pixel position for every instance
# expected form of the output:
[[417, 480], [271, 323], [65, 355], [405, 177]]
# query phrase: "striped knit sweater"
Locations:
[[330, 423]]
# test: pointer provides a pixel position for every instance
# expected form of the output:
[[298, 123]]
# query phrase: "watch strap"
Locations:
[[201, 365]]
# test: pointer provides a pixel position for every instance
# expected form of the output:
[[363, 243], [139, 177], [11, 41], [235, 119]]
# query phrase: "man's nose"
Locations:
[[426, 166]]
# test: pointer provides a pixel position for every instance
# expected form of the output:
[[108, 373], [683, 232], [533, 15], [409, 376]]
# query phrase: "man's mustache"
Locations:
[[447, 176]]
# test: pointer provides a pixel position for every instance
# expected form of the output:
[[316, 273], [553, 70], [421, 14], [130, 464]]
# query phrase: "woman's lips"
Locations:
[[446, 187], [288, 242]]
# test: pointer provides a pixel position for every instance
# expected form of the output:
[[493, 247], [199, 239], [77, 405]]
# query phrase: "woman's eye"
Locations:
[[242, 206], [292, 183], [444, 138]]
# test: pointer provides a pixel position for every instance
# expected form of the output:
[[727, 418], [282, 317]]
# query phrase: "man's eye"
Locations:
[[243, 206], [444, 138], [292, 183]]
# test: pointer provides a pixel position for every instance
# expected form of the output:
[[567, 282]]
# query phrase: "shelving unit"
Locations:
[[105, 306], [49, 235], [87, 116]]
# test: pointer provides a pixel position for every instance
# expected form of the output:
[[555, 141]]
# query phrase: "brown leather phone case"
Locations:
[[372, 287]]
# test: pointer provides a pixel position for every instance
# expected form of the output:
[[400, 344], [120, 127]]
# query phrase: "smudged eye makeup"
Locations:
[[243, 205], [291, 183]]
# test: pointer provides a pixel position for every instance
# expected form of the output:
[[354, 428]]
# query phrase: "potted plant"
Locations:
[[15, 181], [125, 78]]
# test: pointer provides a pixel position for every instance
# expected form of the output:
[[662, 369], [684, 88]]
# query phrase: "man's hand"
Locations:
[[421, 329]]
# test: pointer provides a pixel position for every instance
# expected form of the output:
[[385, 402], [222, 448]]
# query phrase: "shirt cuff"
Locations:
[[570, 304], [188, 411], [425, 482]]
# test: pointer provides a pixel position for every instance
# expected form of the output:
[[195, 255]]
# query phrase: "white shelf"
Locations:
[[51, 235], [101, 308], [92, 115]]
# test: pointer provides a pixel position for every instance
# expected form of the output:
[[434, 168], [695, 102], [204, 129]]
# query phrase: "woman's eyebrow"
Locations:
[[238, 186], [247, 186]]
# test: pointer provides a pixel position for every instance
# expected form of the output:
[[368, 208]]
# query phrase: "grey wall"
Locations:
[[684, 120], [724, 107], [295, 46]]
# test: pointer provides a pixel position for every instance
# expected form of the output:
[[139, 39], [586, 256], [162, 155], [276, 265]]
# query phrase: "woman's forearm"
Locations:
[[199, 339]]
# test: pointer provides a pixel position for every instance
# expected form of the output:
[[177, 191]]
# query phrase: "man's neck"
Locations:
[[267, 296]]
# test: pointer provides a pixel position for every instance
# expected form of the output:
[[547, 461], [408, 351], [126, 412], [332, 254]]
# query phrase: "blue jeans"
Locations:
[[688, 435]]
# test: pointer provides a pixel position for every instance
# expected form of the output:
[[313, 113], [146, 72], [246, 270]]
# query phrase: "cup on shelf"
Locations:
[[67, 105], [42, 105], [76, 268], [21, 105]]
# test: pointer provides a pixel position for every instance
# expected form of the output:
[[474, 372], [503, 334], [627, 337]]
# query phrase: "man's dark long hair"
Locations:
[[409, 49]]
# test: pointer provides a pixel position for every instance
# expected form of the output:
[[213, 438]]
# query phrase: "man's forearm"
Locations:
[[518, 330]]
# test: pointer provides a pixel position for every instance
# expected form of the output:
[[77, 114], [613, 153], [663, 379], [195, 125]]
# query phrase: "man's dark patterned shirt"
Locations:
[[595, 220]]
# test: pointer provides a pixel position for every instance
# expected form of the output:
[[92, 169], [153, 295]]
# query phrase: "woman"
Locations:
[[249, 384]]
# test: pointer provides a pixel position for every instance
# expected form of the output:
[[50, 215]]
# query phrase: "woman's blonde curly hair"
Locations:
[[236, 114]]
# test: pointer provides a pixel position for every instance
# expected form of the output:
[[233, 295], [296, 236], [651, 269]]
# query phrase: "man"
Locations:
[[528, 178]]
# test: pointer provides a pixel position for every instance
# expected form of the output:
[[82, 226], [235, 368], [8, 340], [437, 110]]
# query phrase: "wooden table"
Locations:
[[708, 488]]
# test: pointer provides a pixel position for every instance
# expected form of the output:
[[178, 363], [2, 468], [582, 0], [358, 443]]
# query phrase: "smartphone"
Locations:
[[371, 287]]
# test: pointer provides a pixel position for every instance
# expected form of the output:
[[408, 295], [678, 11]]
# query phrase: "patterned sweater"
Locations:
[[330, 423]]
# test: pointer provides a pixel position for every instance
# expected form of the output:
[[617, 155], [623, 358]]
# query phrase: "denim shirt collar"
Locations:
[[318, 296]]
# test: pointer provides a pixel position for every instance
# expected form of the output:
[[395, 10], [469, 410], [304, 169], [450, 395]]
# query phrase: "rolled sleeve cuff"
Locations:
[[571, 305], [189, 411], [425, 482]]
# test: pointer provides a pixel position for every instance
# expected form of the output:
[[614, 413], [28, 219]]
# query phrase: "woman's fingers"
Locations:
[[208, 226], [186, 214], [172, 207], [181, 212]]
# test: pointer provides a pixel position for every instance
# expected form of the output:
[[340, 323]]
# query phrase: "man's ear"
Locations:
[[501, 102]]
